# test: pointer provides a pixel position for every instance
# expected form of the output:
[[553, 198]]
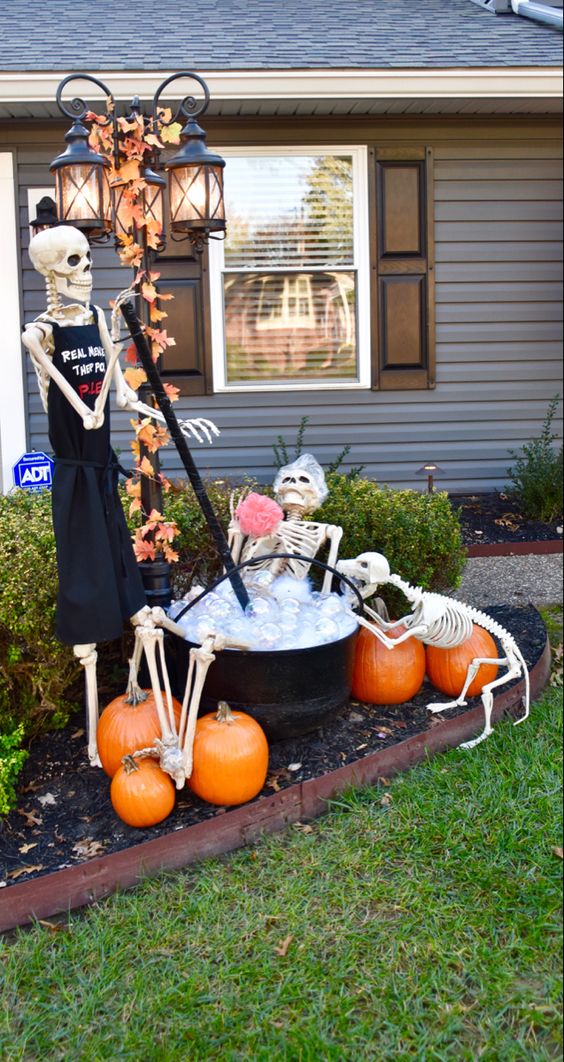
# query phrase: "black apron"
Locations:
[[99, 581]]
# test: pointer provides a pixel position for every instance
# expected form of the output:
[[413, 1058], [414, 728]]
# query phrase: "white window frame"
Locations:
[[361, 266]]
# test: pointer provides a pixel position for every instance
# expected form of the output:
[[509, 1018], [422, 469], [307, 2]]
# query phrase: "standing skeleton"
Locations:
[[299, 489], [62, 256], [442, 622]]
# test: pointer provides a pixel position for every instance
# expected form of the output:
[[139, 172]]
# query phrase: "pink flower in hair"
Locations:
[[258, 515]]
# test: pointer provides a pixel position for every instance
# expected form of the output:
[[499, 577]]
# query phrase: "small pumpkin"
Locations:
[[387, 676], [141, 794], [447, 668], [230, 757], [129, 723]]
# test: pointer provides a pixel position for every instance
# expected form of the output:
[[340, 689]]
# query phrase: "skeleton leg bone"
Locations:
[[487, 701], [473, 669], [149, 637], [88, 656], [204, 658]]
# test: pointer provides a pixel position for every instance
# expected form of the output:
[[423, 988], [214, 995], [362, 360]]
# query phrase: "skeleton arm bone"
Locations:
[[390, 643], [334, 536], [385, 625], [32, 341], [127, 398]]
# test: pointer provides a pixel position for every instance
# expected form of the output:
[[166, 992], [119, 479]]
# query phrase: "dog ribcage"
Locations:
[[455, 624]]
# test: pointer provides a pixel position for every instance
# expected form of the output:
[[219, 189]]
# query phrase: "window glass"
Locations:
[[290, 272]]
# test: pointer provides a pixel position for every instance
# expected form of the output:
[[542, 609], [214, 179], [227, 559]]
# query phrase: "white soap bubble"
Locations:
[[291, 605], [263, 579], [288, 622], [218, 608], [327, 629], [271, 634], [332, 606], [259, 607]]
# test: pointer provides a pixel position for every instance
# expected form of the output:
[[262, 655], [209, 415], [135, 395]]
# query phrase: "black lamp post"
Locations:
[[92, 199], [47, 217]]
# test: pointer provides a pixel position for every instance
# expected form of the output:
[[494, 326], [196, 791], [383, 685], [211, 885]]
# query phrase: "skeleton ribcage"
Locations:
[[292, 537], [453, 628]]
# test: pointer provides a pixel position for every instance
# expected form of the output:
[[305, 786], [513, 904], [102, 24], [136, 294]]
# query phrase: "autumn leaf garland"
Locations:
[[136, 142]]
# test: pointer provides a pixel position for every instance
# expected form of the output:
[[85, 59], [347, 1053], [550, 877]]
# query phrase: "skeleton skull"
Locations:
[[301, 485], [63, 254], [371, 569]]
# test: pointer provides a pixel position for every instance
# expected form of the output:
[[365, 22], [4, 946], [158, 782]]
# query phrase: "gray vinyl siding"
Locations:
[[498, 215]]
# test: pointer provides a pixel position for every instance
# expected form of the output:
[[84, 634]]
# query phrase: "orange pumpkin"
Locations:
[[142, 795], [387, 676], [230, 758], [447, 668], [127, 725]]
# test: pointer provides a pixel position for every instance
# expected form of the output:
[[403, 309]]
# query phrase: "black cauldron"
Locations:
[[289, 692]]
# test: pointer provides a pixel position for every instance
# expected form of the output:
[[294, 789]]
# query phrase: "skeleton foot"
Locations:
[[88, 656], [487, 701], [476, 741], [443, 707], [525, 705]]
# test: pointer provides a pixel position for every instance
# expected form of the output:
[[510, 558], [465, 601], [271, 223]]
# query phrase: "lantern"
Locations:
[[82, 187], [195, 175], [151, 201], [46, 215]]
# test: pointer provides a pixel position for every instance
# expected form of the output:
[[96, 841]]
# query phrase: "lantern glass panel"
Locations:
[[196, 197], [83, 196], [153, 205]]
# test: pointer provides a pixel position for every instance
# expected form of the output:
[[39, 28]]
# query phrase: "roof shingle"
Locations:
[[267, 34]]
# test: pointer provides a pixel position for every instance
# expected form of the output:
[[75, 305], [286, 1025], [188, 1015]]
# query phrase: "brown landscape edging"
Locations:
[[73, 887], [514, 549]]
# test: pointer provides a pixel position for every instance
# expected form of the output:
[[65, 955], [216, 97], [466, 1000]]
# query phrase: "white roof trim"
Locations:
[[464, 83]]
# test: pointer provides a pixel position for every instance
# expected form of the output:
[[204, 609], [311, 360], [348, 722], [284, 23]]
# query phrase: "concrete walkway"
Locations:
[[512, 580]]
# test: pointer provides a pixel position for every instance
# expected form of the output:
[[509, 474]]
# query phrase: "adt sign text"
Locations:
[[34, 471]]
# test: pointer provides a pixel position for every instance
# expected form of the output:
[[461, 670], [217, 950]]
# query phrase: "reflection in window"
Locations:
[[290, 326], [290, 278]]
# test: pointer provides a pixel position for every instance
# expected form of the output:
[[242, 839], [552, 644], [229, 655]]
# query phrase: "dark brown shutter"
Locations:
[[403, 289], [187, 365]]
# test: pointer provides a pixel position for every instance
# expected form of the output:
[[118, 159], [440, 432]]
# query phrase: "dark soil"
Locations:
[[496, 517], [64, 815]]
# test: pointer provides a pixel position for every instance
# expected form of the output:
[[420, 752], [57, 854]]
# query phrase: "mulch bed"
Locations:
[[64, 815], [497, 518]]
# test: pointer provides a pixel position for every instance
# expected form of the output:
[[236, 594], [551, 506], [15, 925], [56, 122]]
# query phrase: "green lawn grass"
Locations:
[[424, 919]]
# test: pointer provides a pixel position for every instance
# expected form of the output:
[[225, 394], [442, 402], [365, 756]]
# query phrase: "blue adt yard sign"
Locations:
[[34, 471]]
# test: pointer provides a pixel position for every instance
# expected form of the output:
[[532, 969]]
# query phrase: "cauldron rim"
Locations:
[[276, 652]]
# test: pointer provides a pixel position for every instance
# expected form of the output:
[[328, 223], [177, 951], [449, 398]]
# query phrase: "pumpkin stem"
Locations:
[[134, 694], [129, 764], [379, 606], [224, 713]]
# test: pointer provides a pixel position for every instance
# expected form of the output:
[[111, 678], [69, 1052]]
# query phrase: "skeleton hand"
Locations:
[[187, 427], [200, 424], [93, 421]]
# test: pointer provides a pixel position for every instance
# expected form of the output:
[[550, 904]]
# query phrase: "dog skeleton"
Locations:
[[442, 622]]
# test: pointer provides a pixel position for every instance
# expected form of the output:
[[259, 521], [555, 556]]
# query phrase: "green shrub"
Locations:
[[35, 669], [12, 759], [419, 534], [536, 476]]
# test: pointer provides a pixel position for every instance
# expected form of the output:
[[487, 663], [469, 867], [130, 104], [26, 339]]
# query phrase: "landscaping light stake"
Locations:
[[165, 405]]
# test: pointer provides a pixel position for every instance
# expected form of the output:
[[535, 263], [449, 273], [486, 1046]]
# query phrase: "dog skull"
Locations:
[[63, 253], [301, 485], [371, 569]]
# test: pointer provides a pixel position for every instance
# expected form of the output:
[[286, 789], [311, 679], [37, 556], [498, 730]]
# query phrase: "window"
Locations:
[[290, 286]]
